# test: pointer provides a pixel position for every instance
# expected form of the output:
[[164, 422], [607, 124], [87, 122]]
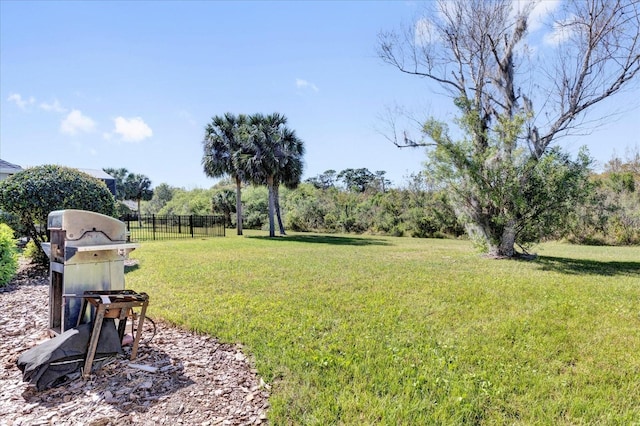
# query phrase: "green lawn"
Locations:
[[377, 330]]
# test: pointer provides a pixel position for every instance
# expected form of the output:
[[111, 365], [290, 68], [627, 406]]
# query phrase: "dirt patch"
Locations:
[[195, 379]]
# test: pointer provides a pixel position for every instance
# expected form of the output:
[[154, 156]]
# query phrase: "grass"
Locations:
[[376, 330]]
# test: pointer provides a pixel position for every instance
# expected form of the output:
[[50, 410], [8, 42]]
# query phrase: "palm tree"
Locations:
[[120, 176], [137, 187], [290, 177], [224, 144], [222, 202], [276, 157]]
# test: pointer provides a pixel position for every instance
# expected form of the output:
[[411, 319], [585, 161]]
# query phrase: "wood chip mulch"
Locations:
[[193, 379]]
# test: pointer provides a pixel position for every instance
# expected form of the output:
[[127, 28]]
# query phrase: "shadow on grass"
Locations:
[[328, 239], [566, 265], [130, 267]]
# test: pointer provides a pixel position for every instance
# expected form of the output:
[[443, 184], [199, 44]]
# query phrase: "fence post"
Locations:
[[153, 225], [191, 225], [125, 219], [179, 224]]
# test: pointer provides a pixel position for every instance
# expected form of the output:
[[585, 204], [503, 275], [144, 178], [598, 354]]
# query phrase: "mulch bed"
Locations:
[[194, 379]]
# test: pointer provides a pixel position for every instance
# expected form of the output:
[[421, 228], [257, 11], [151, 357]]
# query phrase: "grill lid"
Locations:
[[77, 223]]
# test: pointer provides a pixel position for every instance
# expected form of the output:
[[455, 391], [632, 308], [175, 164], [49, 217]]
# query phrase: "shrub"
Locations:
[[33, 253], [8, 255], [33, 193], [122, 209], [13, 222], [183, 202], [305, 210], [256, 207]]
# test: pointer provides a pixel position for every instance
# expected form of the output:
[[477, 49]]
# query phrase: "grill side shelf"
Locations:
[[123, 246]]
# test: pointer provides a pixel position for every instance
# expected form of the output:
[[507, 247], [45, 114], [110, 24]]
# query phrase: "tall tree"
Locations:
[[276, 157], [120, 176], [138, 188], [324, 180], [223, 202], [357, 180], [290, 177], [511, 107], [162, 194], [383, 182], [225, 152]]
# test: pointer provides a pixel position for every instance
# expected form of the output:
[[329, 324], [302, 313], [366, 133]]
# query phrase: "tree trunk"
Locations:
[[227, 218], [239, 205], [33, 234], [276, 191], [506, 245], [272, 231]]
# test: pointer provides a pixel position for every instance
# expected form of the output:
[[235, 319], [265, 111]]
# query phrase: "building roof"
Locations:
[[7, 167], [99, 174]]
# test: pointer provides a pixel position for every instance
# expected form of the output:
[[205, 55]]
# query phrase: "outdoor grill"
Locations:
[[86, 252]]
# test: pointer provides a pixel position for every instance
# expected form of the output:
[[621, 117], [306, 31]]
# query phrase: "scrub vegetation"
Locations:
[[362, 202]]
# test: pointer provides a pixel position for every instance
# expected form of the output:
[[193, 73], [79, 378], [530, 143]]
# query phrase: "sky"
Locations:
[[116, 84]]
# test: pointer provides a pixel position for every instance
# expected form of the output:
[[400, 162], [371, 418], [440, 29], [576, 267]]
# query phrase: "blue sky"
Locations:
[[132, 84]]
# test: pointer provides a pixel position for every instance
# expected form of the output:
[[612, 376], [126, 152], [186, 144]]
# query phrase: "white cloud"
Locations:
[[76, 122], [132, 129], [55, 106], [304, 84], [22, 103]]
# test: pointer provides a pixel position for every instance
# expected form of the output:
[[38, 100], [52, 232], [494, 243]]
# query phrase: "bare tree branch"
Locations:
[[606, 41], [391, 132], [508, 100]]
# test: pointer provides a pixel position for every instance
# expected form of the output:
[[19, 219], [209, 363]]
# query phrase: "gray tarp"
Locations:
[[59, 360]]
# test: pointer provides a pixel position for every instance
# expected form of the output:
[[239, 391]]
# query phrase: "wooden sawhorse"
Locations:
[[116, 304]]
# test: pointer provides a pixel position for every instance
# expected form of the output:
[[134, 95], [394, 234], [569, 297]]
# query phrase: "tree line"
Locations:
[[353, 200], [420, 207]]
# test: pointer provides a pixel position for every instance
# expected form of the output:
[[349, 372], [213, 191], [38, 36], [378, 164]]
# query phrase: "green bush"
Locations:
[[37, 256], [305, 209], [13, 222], [35, 192], [196, 201], [256, 207], [8, 255]]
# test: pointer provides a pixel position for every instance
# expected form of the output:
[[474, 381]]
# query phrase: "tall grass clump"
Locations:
[[382, 330]]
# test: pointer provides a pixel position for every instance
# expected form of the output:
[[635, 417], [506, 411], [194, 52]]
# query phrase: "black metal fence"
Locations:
[[153, 227]]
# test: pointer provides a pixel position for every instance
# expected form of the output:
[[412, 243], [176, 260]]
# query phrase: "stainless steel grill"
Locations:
[[86, 252]]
